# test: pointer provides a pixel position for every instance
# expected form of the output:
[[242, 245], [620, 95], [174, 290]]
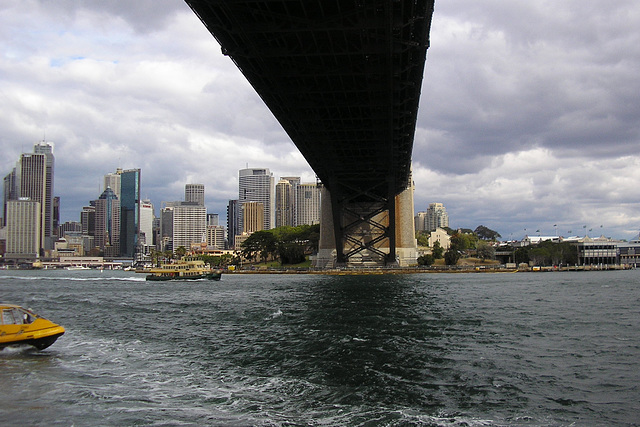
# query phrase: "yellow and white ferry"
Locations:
[[187, 268]]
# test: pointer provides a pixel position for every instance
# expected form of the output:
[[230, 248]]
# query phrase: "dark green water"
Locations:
[[546, 349]]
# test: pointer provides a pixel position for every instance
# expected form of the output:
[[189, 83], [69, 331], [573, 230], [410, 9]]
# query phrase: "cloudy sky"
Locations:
[[529, 116]]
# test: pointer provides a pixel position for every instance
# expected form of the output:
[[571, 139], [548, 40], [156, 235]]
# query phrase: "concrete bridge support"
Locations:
[[369, 236]]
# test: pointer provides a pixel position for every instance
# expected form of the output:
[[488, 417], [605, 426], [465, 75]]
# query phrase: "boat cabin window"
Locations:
[[14, 316]]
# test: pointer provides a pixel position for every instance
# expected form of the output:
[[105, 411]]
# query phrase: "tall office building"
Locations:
[[436, 217], [213, 219], [165, 242], [32, 183], [23, 229], [232, 223], [88, 219], [284, 203], [107, 223], [129, 212], [112, 180], [194, 193], [215, 236], [10, 193], [146, 225], [49, 216], [252, 217], [189, 225], [307, 204], [257, 185]]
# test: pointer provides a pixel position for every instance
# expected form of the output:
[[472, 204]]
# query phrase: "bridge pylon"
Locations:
[[367, 230]]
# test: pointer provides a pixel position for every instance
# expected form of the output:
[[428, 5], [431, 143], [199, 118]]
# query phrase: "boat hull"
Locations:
[[19, 327]]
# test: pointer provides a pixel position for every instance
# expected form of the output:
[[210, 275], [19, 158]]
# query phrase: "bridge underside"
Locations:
[[343, 78]]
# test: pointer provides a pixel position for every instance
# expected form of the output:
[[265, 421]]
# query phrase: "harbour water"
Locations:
[[524, 349]]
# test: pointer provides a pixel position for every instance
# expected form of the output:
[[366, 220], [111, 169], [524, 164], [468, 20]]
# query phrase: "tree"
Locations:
[[261, 243], [485, 233], [181, 251], [422, 238], [451, 257], [437, 251], [425, 260], [485, 251]]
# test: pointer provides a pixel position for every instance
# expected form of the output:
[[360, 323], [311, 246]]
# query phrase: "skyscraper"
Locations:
[[107, 223], [32, 184], [10, 192], [257, 185], [146, 224], [232, 222], [23, 228], [48, 209], [112, 180], [307, 204], [189, 225], [129, 211], [252, 217], [194, 193], [284, 203]]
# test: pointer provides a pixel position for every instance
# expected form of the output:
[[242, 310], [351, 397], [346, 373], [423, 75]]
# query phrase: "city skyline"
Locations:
[[528, 116]]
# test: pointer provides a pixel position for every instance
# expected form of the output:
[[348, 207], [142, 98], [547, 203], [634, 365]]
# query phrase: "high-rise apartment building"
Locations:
[[257, 185], [436, 217], [284, 203], [129, 212], [23, 229], [189, 225], [307, 204], [194, 193]]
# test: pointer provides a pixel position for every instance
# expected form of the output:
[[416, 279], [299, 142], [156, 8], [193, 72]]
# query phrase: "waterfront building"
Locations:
[[194, 193], [107, 223], [307, 204], [189, 225], [257, 185], [252, 217], [23, 234], [284, 203], [129, 212]]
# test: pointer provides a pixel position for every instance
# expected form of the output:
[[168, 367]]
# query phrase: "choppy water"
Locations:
[[545, 349]]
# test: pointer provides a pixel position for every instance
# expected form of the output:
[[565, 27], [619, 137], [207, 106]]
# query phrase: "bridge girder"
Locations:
[[342, 77]]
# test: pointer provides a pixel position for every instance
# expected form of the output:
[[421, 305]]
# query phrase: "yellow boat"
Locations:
[[19, 326]]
